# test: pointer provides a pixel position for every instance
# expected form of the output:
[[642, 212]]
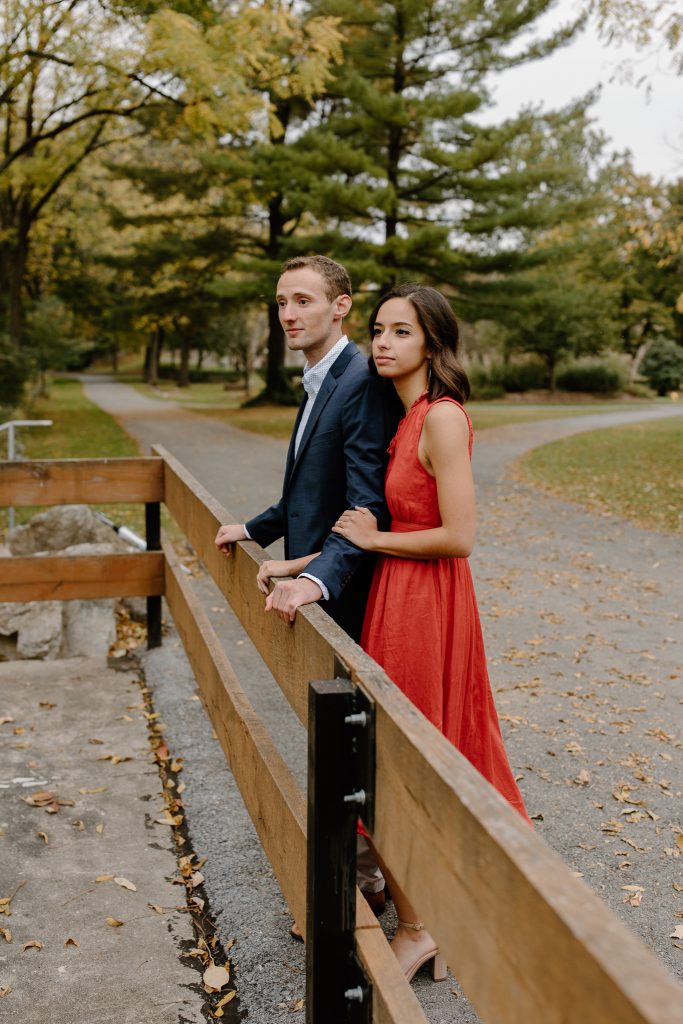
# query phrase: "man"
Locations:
[[337, 453], [336, 459]]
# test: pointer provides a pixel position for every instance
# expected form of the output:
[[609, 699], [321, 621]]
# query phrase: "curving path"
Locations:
[[582, 620]]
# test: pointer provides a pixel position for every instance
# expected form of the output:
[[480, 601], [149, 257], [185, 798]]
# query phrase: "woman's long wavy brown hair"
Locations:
[[442, 337]]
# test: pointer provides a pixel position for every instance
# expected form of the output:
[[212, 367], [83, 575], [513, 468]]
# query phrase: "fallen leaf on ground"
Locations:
[[298, 1005], [155, 908], [4, 719], [5, 990], [33, 944], [217, 1012], [43, 836], [98, 789], [6, 934], [216, 977], [104, 878], [677, 933], [99, 827], [72, 942], [46, 704], [114, 922], [125, 884], [114, 758], [80, 825], [197, 951], [40, 799], [169, 819]]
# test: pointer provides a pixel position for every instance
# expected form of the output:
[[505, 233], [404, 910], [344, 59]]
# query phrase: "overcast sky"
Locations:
[[649, 125]]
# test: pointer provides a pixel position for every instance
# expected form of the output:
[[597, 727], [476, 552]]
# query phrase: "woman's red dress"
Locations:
[[422, 622]]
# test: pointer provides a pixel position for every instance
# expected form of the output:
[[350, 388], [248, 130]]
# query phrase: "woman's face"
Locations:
[[399, 349]]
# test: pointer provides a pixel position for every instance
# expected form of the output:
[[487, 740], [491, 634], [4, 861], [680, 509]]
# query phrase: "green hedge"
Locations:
[[662, 366], [591, 375], [501, 377]]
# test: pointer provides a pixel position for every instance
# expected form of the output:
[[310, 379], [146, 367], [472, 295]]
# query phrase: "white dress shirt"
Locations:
[[312, 381]]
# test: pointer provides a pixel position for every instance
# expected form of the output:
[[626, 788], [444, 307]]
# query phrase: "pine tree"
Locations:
[[406, 175], [216, 185]]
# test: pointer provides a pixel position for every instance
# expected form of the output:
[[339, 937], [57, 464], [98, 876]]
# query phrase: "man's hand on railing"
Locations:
[[227, 535], [288, 595]]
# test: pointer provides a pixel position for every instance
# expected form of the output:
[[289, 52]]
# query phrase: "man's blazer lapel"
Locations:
[[327, 389], [289, 465]]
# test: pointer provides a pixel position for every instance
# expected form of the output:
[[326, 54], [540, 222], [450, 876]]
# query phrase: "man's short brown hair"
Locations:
[[336, 278]]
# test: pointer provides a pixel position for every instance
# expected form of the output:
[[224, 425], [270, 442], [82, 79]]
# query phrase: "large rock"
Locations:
[[31, 630], [62, 527], [89, 629], [67, 629]]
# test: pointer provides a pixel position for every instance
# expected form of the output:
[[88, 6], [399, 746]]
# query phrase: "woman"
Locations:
[[422, 623]]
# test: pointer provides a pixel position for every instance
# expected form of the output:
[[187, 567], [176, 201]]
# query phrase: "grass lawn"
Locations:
[[277, 421], [80, 430], [213, 394], [635, 472]]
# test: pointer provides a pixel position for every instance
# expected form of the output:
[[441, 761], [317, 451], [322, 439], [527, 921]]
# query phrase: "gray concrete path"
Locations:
[[582, 622], [78, 730]]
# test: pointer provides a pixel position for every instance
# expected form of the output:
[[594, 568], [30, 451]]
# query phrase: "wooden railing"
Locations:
[[529, 942]]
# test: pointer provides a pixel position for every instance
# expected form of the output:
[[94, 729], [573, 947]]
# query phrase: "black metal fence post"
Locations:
[[337, 991], [153, 538]]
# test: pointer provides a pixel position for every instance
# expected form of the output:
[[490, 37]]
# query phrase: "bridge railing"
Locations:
[[529, 942]]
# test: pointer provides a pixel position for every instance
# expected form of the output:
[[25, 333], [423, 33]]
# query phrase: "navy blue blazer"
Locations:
[[340, 463]]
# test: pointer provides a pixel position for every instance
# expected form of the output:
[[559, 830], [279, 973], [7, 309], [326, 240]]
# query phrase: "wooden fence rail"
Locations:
[[530, 943]]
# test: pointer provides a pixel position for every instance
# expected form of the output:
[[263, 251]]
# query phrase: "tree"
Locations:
[[65, 80], [79, 75], [403, 174], [647, 227], [662, 366], [212, 230], [650, 24]]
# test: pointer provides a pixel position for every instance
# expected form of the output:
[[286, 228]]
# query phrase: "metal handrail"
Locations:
[[10, 426]]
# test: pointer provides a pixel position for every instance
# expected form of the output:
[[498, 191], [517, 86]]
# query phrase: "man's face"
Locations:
[[310, 320]]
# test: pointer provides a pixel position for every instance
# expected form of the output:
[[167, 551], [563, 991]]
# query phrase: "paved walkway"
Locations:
[[95, 930], [583, 630]]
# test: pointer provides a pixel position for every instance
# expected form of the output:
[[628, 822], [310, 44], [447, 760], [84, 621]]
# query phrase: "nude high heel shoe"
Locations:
[[421, 956]]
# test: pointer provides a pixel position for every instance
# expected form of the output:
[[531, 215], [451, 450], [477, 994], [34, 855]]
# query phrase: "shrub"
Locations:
[[485, 384], [527, 376], [595, 376], [662, 366], [638, 389], [14, 371]]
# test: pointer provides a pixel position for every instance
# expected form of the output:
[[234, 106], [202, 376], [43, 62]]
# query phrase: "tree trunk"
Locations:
[[152, 360], [247, 373], [14, 260], [184, 369], [278, 390]]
